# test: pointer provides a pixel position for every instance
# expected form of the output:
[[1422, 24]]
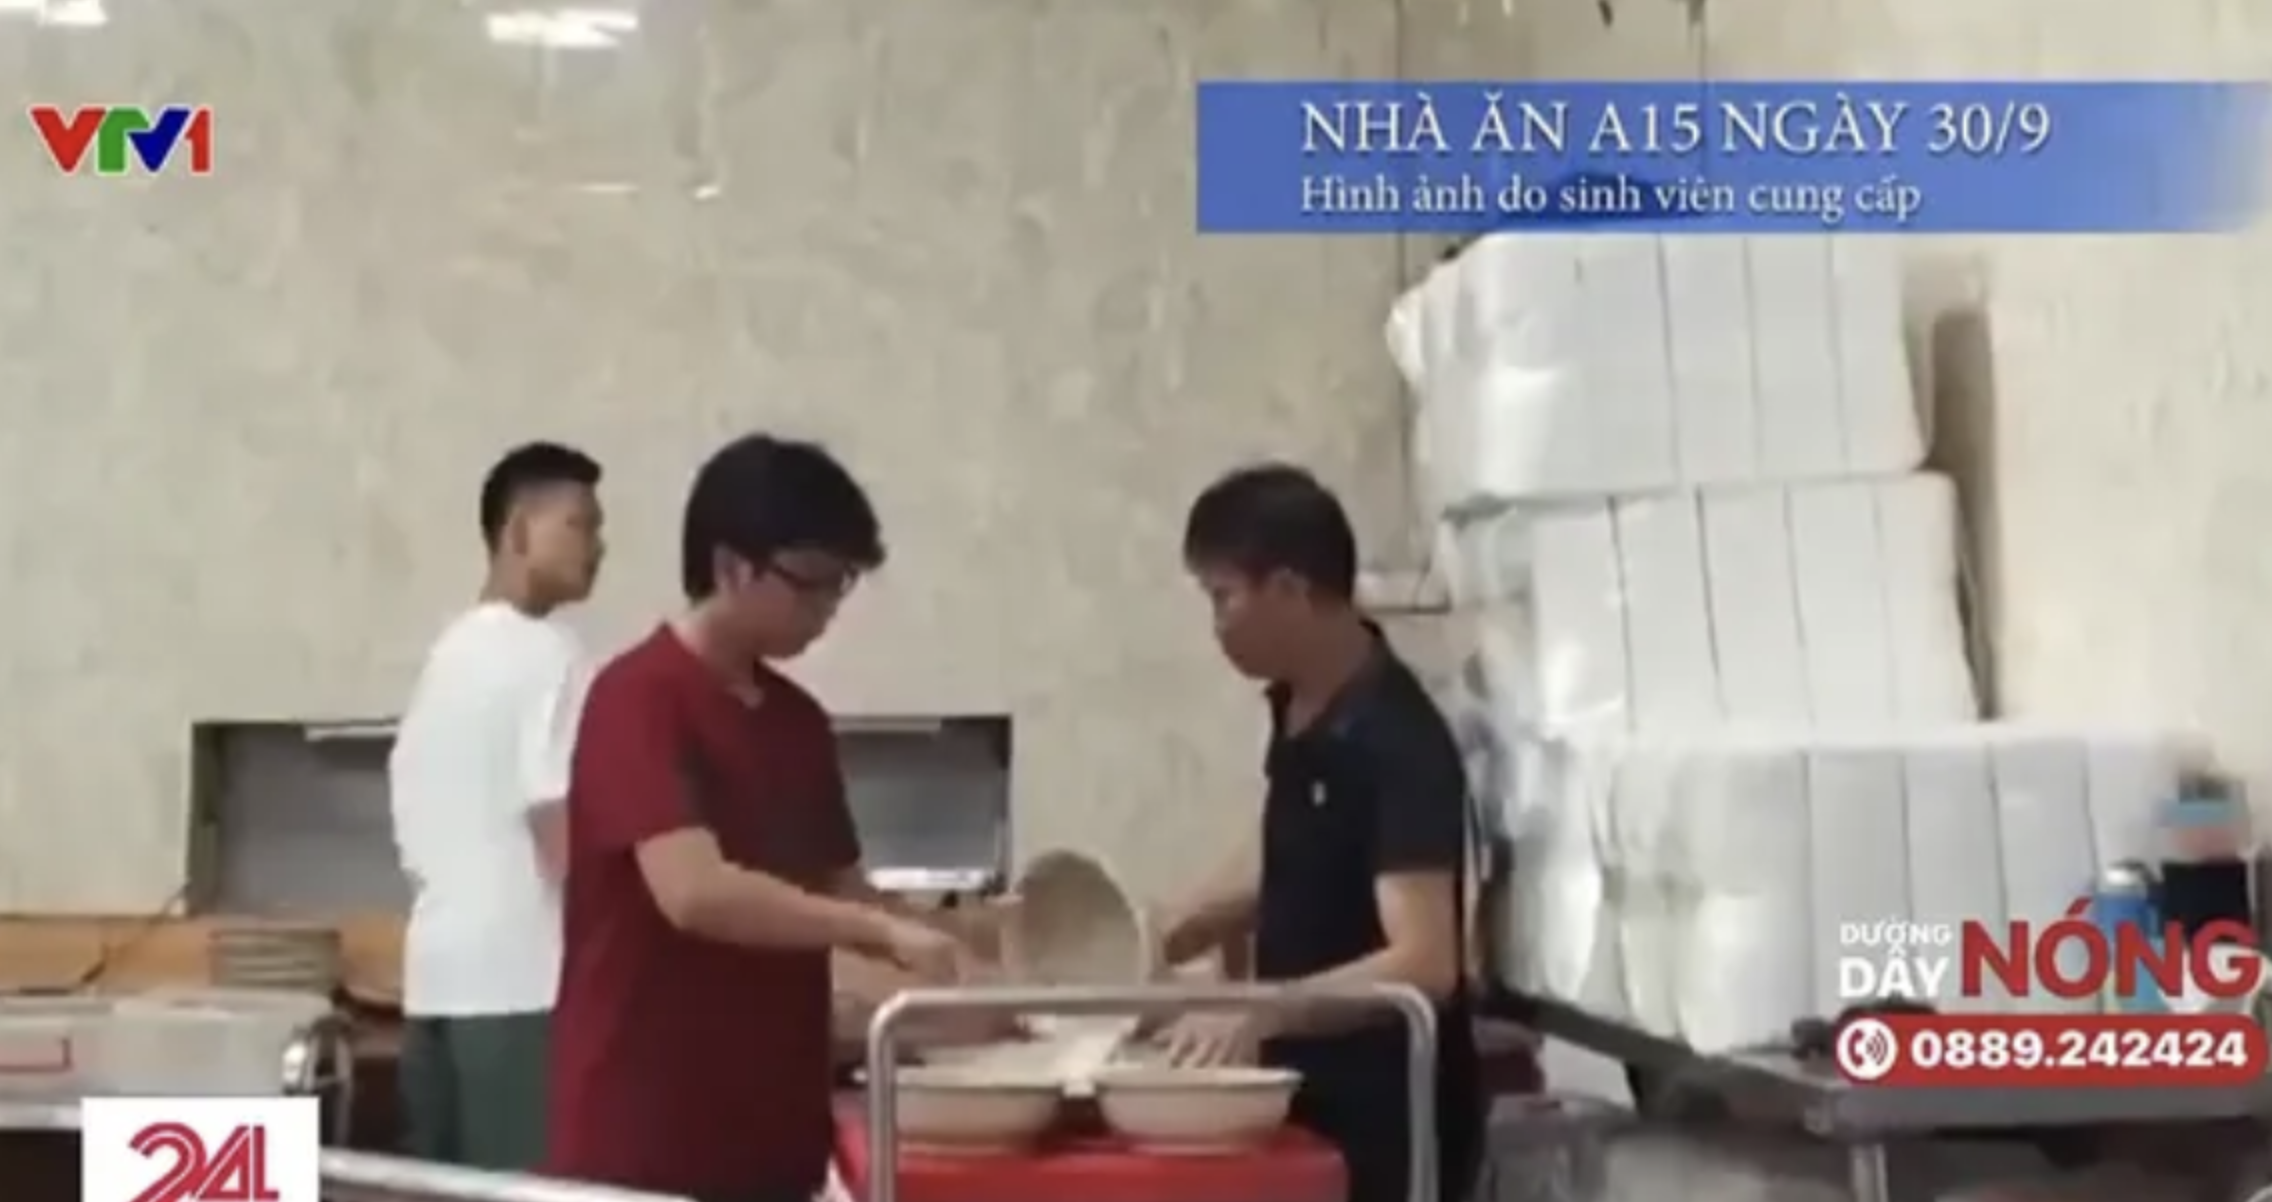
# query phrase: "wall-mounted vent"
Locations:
[[290, 819], [931, 798]]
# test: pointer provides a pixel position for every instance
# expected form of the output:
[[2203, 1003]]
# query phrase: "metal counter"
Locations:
[[1780, 1088], [28, 1114], [370, 1177], [319, 1062]]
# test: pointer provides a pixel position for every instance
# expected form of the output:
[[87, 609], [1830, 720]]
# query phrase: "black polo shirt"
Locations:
[[1374, 785]]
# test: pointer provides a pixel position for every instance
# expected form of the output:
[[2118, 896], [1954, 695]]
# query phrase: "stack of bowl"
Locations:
[[1076, 925], [301, 958]]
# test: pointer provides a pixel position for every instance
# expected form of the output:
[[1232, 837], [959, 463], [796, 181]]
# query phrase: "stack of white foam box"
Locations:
[[1716, 606], [1696, 885]]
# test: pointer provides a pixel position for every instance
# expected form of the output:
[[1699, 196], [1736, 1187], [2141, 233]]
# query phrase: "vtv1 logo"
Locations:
[[199, 1149], [122, 135]]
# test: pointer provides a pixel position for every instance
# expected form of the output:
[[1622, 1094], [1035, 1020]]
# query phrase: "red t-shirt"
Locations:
[[682, 1065]]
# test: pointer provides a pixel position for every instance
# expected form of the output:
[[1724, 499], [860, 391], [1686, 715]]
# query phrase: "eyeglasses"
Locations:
[[828, 589]]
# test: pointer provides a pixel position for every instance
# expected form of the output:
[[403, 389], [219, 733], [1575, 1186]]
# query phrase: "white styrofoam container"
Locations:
[[1811, 606], [211, 1042], [44, 1044], [1550, 367], [1734, 862]]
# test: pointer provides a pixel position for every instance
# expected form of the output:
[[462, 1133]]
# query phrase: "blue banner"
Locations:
[[1857, 157]]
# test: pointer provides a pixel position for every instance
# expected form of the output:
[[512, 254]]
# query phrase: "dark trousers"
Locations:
[[473, 1089], [1372, 1140]]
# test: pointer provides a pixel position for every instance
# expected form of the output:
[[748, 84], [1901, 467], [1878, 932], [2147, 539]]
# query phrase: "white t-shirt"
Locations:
[[486, 738]]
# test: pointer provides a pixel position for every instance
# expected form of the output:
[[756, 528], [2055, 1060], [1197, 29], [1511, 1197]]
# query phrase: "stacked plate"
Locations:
[[299, 957]]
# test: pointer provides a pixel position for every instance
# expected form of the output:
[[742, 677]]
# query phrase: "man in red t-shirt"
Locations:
[[712, 861]]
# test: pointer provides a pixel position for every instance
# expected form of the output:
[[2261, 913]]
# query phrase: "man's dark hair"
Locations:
[[760, 496], [523, 470], [1272, 518]]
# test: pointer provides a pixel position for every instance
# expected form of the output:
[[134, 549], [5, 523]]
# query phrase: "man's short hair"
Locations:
[[526, 469], [759, 496], [1274, 517]]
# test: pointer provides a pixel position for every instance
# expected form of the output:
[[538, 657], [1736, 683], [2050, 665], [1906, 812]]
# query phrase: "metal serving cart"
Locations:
[[882, 1113]]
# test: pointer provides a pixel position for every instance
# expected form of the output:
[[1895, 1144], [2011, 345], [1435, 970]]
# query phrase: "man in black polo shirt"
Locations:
[[1358, 873]]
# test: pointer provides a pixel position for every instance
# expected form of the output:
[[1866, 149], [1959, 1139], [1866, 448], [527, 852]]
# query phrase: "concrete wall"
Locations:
[[244, 414]]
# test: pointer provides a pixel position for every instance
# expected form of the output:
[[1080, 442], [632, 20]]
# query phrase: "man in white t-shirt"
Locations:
[[477, 783]]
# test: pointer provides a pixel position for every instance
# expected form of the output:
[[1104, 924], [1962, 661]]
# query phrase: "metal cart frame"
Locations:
[[1418, 1015]]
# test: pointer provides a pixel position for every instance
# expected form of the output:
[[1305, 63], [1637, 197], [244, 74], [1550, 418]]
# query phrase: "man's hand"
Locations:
[[1221, 911], [984, 926], [933, 956], [1209, 1040]]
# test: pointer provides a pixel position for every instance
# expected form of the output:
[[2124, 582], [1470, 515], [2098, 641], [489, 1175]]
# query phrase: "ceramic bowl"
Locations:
[[975, 1109], [1075, 924], [1195, 1109]]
